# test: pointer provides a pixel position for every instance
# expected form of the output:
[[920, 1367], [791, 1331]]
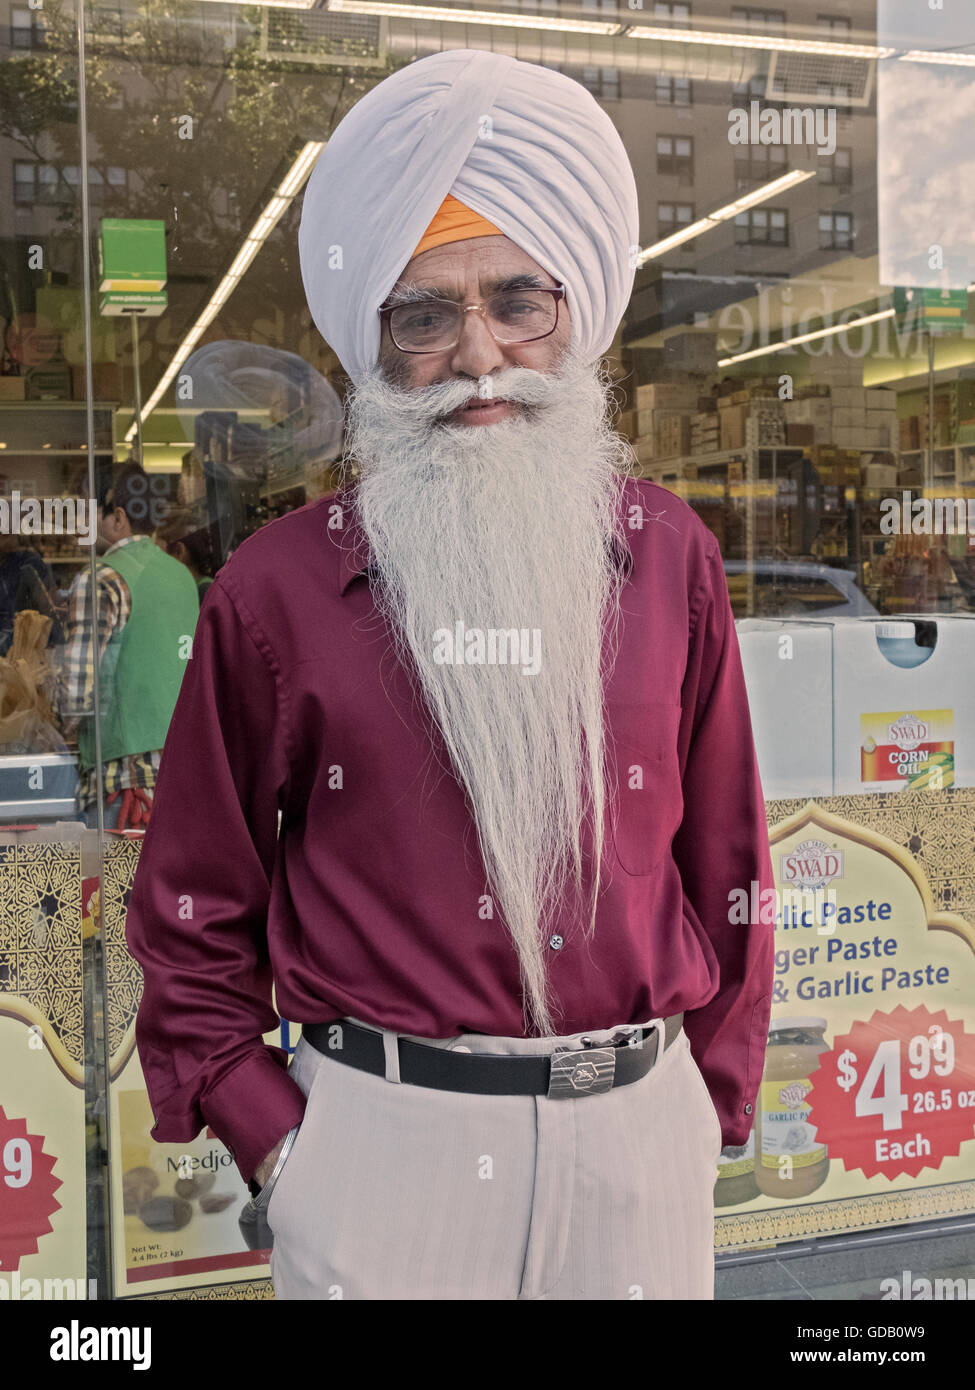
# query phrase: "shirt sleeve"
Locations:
[[722, 851], [197, 918], [76, 697]]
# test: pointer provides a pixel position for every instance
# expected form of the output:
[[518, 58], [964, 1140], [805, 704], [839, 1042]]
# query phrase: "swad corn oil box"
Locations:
[[907, 748]]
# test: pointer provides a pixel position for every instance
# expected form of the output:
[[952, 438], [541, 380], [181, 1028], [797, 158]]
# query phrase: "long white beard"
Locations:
[[506, 526]]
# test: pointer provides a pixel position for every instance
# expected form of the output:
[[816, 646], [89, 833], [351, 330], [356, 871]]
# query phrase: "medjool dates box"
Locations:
[[176, 1207], [179, 1205]]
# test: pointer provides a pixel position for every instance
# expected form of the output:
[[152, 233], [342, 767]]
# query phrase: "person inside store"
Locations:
[[493, 688], [26, 582], [180, 537], [147, 609]]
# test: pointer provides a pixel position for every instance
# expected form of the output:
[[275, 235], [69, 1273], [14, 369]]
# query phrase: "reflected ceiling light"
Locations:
[[445, 14], [923, 55], [725, 214], [777, 43], [291, 184], [806, 338]]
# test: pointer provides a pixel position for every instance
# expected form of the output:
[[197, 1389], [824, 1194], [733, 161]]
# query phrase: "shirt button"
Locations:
[[748, 1109], [555, 942]]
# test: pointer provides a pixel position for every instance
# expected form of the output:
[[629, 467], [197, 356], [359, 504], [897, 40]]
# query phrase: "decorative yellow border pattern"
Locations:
[[41, 979], [123, 973]]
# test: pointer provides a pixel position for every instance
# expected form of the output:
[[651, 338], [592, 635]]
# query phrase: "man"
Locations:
[[147, 611], [495, 691], [189, 543]]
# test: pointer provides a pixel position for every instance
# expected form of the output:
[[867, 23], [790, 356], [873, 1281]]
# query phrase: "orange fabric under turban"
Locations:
[[455, 222]]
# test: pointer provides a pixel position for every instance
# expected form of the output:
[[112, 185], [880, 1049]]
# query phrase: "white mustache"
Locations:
[[427, 406]]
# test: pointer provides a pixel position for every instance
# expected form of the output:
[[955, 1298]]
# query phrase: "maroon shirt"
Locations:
[[369, 901]]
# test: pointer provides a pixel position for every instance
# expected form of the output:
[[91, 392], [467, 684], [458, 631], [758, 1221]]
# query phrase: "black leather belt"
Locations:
[[588, 1070]]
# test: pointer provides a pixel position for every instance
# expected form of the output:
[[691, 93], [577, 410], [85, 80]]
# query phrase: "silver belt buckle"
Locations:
[[587, 1072]]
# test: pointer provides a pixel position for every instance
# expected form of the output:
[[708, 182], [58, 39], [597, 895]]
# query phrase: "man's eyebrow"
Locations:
[[408, 293]]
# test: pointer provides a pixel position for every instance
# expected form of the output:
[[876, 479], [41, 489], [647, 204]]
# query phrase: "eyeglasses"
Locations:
[[513, 316]]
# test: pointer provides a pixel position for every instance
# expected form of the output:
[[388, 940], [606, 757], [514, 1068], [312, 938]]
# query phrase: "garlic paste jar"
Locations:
[[789, 1161], [736, 1174]]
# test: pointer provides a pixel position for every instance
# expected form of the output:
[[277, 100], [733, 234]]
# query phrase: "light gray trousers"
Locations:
[[394, 1191]]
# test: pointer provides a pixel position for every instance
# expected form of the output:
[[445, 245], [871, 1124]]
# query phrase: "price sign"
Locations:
[[27, 1187], [896, 1094]]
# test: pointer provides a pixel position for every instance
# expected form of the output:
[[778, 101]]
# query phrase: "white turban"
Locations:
[[527, 148]]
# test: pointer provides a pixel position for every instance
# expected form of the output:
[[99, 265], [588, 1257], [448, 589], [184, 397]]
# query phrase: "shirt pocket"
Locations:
[[648, 804]]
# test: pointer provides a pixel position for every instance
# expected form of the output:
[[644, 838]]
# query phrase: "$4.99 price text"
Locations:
[[897, 1093]]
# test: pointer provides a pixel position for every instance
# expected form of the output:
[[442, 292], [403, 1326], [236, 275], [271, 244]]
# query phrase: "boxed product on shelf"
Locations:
[[667, 395], [952, 400], [732, 426], [13, 388], [836, 465], [789, 678], [909, 433], [646, 421], [943, 432], [857, 705], [885, 420], [672, 434], [849, 397], [838, 475], [764, 429], [705, 433], [877, 441], [849, 417], [903, 725], [49, 381], [813, 411]]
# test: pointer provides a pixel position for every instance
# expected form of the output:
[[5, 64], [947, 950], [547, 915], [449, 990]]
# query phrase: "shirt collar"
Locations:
[[126, 540], [353, 544]]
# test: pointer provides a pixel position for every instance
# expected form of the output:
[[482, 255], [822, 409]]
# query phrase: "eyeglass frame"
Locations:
[[558, 290]]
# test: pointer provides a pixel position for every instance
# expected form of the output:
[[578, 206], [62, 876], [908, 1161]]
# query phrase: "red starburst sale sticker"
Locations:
[[896, 1093], [27, 1187]]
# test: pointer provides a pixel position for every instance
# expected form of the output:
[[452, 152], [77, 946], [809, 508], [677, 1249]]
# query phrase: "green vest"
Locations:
[[142, 669]]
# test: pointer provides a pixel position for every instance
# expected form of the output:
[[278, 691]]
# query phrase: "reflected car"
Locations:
[[795, 589]]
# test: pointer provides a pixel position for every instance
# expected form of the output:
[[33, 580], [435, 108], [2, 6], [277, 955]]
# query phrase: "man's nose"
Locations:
[[477, 351]]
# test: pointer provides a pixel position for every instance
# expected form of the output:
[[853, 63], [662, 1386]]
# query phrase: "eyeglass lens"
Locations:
[[516, 316]]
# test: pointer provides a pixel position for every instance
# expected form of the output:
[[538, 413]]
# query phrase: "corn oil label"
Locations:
[[908, 748]]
